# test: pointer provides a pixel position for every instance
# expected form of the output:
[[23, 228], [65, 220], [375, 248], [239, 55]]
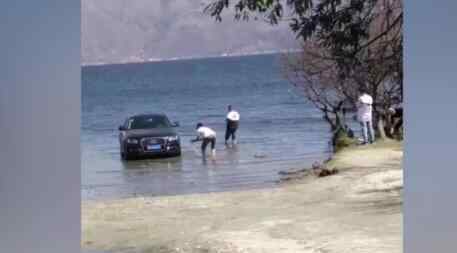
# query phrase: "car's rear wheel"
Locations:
[[124, 156], [177, 153]]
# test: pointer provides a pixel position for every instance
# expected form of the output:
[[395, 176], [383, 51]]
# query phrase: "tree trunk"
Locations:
[[381, 129], [332, 124]]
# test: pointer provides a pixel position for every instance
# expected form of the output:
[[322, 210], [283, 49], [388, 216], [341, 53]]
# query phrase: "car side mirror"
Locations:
[[175, 124], [121, 128]]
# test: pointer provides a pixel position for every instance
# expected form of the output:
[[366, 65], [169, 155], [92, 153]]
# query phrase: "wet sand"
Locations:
[[357, 210]]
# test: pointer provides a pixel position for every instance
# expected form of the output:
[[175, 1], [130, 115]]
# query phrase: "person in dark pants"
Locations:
[[207, 136], [396, 115], [232, 120]]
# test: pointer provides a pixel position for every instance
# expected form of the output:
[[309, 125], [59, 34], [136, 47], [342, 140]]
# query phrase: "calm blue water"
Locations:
[[278, 129]]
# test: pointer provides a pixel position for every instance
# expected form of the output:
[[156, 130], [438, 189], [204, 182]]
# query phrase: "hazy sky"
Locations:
[[122, 30]]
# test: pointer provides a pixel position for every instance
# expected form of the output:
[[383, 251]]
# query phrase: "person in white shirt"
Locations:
[[364, 116], [232, 120], [206, 135]]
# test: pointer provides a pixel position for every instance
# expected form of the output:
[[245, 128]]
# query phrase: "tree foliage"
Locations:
[[346, 44], [343, 26]]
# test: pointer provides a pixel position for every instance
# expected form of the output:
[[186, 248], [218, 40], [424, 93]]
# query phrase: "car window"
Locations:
[[147, 122], [129, 123]]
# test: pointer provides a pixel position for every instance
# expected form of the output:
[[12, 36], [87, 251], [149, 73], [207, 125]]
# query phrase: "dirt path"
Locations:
[[356, 210]]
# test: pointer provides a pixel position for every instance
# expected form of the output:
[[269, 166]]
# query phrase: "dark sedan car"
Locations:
[[148, 135]]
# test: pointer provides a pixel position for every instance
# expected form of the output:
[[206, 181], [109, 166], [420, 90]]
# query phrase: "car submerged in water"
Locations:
[[147, 136]]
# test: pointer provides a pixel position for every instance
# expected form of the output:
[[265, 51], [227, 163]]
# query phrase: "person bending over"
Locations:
[[396, 115], [207, 136], [232, 120]]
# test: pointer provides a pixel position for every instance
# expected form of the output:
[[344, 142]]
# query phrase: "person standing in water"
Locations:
[[364, 115], [232, 120], [207, 136]]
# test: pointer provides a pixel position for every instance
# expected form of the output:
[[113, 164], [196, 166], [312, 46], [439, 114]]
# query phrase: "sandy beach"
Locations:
[[357, 210]]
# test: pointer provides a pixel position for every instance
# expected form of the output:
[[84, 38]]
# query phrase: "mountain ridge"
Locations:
[[119, 31]]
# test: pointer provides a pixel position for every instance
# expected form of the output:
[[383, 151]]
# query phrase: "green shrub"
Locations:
[[342, 140]]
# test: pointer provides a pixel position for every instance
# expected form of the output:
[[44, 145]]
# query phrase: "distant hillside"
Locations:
[[134, 30]]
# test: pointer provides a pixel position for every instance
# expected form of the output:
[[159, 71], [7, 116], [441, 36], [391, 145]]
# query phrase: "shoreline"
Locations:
[[355, 210], [158, 60]]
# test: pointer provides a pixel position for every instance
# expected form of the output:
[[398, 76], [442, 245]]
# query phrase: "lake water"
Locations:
[[278, 130]]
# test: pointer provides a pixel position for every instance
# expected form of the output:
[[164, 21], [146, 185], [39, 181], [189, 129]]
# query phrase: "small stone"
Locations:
[[326, 172]]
